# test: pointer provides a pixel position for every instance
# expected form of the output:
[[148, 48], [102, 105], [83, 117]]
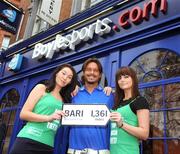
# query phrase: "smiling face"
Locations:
[[64, 77], [92, 74], [125, 82]]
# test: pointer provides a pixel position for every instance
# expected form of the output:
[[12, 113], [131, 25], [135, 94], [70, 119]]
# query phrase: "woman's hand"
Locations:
[[75, 91], [116, 117], [57, 115], [107, 90]]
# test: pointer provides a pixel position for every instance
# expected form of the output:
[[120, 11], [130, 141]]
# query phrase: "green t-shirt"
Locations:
[[121, 141], [43, 132]]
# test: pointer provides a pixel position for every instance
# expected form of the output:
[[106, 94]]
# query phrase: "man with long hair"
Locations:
[[90, 139]]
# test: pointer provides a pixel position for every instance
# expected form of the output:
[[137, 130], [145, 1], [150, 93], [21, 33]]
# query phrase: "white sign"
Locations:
[[100, 27], [50, 11], [85, 115]]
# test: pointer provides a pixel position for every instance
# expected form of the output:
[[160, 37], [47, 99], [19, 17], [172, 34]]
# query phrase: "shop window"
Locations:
[[173, 146], [8, 108], [172, 92], [80, 5], [154, 94], [157, 65], [164, 99], [173, 123], [156, 124], [158, 146], [40, 25]]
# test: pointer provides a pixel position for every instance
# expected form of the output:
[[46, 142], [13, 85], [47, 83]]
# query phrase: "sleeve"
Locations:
[[140, 103]]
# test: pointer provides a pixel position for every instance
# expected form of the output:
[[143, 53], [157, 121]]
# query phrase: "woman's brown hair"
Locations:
[[119, 93]]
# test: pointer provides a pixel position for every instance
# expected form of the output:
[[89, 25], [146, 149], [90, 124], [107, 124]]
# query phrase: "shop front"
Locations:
[[140, 34]]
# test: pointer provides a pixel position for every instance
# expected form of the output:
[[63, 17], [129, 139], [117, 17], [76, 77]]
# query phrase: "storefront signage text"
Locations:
[[137, 15], [134, 16], [100, 27]]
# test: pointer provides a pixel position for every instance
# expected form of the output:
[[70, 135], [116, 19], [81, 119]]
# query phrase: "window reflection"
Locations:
[[139, 70], [158, 147], [81, 5], [9, 100], [173, 123], [152, 76], [156, 124], [164, 100], [156, 65], [153, 147], [174, 146], [154, 97], [172, 94], [171, 64]]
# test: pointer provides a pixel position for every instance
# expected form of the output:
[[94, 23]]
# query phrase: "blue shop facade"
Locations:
[[143, 34]]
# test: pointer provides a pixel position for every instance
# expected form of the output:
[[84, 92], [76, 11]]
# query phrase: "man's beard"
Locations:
[[90, 82]]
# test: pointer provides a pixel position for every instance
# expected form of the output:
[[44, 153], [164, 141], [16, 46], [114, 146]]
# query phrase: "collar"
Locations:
[[98, 88]]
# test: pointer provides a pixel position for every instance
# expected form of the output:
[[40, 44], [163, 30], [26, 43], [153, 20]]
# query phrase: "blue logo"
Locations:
[[10, 14], [15, 63]]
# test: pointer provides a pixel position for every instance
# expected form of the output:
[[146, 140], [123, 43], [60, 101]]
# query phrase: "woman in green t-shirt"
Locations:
[[130, 115], [43, 111]]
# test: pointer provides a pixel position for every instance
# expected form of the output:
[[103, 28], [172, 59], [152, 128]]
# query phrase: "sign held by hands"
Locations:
[[85, 114]]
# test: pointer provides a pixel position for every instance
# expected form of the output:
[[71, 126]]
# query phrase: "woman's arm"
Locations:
[[34, 96], [141, 131]]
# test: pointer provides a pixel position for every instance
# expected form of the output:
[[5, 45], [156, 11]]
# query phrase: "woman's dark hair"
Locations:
[[65, 91], [91, 60], [119, 93]]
